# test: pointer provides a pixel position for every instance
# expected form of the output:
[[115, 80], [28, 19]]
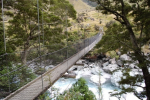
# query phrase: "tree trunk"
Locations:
[[25, 53], [140, 58], [24, 56], [146, 76]]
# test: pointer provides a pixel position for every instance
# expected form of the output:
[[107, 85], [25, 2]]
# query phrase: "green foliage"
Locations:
[[62, 7], [11, 80], [129, 34], [44, 96], [117, 35], [113, 54], [8, 13], [79, 91], [23, 31], [1, 39]]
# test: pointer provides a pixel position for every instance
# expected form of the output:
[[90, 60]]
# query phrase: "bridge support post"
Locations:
[[42, 81]]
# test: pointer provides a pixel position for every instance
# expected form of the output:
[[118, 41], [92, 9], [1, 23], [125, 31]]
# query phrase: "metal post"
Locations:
[[5, 40], [8, 72], [43, 47], [39, 39], [79, 38], [38, 25], [67, 32], [42, 28], [3, 25], [42, 80], [84, 40], [88, 41]]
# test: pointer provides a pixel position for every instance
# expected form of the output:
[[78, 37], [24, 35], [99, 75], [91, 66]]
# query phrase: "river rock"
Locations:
[[105, 59], [99, 64], [119, 63], [49, 67], [112, 61], [97, 79], [116, 77], [125, 57], [73, 68], [80, 62], [105, 64], [132, 66], [110, 68], [92, 65], [95, 71]]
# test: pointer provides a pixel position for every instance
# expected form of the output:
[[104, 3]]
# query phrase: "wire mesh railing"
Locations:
[[17, 74]]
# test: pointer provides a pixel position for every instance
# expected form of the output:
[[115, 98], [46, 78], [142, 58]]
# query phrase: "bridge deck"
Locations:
[[33, 89]]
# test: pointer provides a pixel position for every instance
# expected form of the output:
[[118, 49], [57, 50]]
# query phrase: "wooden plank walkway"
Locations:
[[33, 89]]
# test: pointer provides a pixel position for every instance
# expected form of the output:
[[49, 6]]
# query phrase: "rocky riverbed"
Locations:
[[99, 73]]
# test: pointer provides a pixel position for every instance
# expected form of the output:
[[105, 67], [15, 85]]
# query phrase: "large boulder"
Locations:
[[49, 67], [132, 66], [105, 64], [99, 64], [105, 59], [92, 65], [95, 71], [72, 68], [97, 79], [112, 61], [119, 63], [116, 77], [125, 57], [110, 68]]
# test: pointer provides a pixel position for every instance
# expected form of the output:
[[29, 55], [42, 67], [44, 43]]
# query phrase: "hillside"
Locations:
[[82, 5], [88, 7]]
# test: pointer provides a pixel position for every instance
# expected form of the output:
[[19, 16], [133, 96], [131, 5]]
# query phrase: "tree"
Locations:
[[79, 91], [130, 32], [10, 82], [26, 33]]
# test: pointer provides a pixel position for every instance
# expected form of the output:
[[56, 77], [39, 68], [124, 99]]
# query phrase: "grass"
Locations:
[[146, 49], [91, 13], [80, 6]]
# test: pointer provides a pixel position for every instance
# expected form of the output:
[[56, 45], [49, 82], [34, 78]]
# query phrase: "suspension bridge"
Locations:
[[17, 68], [39, 85]]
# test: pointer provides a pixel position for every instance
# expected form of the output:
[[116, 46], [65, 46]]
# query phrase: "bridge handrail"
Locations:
[[29, 62], [94, 40]]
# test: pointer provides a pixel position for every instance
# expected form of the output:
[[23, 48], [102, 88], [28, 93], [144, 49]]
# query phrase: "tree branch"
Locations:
[[127, 24], [125, 44], [117, 19], [110, 10], [139, 86], [123, 11], [141, 35]]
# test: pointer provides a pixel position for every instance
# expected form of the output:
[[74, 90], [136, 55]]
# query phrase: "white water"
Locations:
[[64, 84]]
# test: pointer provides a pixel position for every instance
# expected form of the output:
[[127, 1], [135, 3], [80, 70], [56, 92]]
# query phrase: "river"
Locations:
[[92, 82]]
